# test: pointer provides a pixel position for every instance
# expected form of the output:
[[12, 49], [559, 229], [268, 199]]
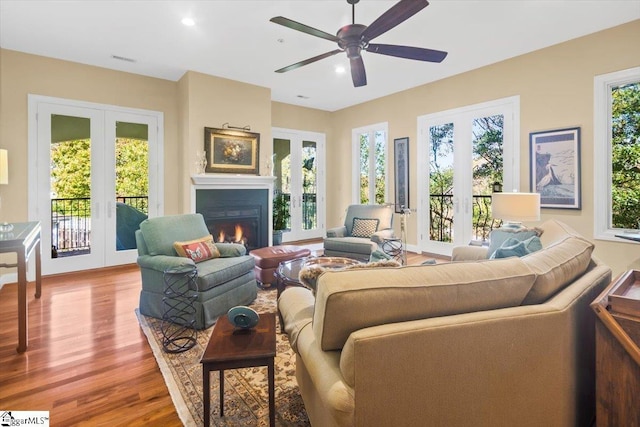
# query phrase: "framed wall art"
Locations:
[[555, 167], [401, 173], [232, 151]]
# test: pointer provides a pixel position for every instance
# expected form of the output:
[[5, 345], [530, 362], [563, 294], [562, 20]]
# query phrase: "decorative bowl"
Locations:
[[243, 317]]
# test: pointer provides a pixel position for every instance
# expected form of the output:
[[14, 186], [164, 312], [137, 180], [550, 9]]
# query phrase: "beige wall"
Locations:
[[23, 74], [555, 86], [208, 101]]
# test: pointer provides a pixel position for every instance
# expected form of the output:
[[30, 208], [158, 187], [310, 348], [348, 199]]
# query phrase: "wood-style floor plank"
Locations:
[[88, 362]]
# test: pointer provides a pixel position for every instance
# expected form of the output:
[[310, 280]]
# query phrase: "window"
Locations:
[[617, 153], [370, 164]]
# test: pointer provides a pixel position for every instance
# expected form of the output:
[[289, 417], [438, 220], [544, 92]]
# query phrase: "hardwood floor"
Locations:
[[88, 362]]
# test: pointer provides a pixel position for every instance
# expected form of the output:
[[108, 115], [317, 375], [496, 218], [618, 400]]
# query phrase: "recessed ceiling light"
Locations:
[[340, 69], [189, 22]]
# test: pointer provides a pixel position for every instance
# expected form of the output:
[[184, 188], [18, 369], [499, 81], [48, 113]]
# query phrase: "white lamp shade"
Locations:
[[4, 166], [516, 206]]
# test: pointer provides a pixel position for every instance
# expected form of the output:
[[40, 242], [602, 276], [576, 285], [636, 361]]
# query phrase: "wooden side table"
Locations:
[[231, 348], [618, 352]]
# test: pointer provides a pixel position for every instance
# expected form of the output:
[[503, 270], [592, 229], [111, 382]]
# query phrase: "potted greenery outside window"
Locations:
[[280, 216]]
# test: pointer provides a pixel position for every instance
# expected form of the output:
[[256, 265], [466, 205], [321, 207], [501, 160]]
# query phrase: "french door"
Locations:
[[298, 165], [95, 172], [462, 153]]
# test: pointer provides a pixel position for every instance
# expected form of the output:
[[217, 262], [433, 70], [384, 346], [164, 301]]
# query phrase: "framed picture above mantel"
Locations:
[[232, 151]]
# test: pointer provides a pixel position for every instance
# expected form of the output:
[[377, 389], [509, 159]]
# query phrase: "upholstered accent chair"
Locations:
[[222, 282], [365, 226]]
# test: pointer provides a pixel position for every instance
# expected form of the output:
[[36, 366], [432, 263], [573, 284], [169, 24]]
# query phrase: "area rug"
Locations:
[[246, 398]]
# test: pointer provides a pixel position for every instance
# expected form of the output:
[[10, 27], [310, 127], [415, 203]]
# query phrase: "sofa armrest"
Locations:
[[163, 262], [380, 235], [337, 232], [230, 250], [469, 253]]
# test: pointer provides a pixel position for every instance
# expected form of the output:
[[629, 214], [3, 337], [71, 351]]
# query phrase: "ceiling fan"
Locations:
[[354, 38]]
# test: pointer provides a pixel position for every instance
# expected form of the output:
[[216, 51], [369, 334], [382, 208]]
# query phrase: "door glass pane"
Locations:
[[282, 172], [441, 183], [364, 168], [70, 186], [309, 186], [380, 151], [487, 169], [132, 181]]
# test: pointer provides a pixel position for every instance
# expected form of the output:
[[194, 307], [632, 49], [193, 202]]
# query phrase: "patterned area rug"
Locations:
[[245, 392]]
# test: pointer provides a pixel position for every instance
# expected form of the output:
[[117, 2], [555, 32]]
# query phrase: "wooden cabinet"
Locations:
[[618, 352]]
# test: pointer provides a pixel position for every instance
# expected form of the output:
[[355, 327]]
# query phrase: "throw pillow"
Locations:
[[198, 250], [498, 236], [364, 227], [515, 247]]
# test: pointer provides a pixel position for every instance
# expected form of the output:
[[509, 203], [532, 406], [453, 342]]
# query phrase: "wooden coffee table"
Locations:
[[231, 348]]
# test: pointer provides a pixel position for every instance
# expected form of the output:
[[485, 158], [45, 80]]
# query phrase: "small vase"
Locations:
[[201, 162]]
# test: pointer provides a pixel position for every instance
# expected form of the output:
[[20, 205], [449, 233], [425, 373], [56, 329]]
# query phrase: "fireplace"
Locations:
[[235, 208], [236, 216]]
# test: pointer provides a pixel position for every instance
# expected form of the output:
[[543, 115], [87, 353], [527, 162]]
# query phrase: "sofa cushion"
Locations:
[[217, 271], [357, 245], [515, 247], [557, 266], [498, 236], [350, 300], [198, 250], [364, 227]]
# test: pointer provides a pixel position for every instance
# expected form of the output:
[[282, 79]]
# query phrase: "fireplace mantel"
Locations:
[[212, 180]]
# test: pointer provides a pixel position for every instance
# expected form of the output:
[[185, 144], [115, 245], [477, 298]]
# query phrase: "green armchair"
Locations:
[[222, 282], [365, 226]]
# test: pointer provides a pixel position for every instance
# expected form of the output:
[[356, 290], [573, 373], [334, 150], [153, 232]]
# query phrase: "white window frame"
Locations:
[[602, 149], [355, 143]]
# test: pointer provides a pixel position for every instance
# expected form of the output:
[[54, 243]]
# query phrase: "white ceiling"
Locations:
[[235, 40]]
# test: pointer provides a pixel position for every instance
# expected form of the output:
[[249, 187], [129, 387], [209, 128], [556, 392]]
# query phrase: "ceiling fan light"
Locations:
[[340, 69], [189, 22]]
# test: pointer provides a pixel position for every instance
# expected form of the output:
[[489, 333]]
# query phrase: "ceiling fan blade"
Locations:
[[308, 61], [398, 13], [409, 52], [358, 75], [289, 23]]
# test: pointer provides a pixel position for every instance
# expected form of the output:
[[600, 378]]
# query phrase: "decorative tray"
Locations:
[[625, 296]]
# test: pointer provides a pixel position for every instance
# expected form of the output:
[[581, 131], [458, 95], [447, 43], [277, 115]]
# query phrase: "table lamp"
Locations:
[[4, 179], [513, 208]]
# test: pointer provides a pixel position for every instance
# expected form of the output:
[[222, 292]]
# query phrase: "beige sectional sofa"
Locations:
[[469, 343]]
